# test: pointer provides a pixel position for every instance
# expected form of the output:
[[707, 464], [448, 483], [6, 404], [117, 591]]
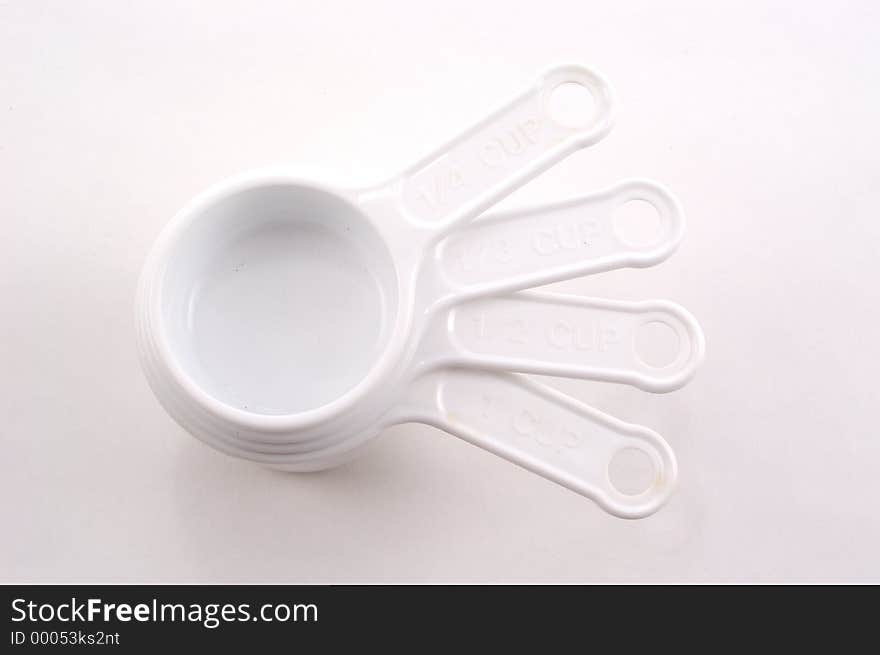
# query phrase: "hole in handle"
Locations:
[[637, 223], [572, 105], [632, 471], [657, 344]]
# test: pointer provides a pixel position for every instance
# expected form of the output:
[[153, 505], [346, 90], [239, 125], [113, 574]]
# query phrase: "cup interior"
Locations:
[[278, 297]]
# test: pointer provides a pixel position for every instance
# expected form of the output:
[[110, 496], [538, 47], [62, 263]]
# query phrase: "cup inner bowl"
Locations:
[[278, 298]]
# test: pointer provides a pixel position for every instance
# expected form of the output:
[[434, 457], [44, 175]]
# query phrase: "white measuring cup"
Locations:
[[288, 322]]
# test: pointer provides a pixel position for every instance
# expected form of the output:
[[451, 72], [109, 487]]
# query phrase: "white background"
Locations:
[[762, 118]]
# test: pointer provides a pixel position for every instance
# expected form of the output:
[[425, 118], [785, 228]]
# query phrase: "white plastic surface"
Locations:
[[288, 323], [546, 432], [553, 334]]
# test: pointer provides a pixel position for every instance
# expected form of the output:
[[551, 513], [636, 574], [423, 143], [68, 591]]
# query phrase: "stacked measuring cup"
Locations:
[[289, 322]]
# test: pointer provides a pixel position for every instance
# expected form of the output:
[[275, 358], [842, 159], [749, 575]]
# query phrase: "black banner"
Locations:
[[126, 618]]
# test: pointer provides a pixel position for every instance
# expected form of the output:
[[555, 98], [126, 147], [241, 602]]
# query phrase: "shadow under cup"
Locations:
[[278, 297]]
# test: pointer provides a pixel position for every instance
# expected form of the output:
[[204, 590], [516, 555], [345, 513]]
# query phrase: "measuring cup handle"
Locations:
[[510, 146], [539, 245], [654, 345], [544, 431]]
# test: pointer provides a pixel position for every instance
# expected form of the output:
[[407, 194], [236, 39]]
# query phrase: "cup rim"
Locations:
[[151, 301]]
